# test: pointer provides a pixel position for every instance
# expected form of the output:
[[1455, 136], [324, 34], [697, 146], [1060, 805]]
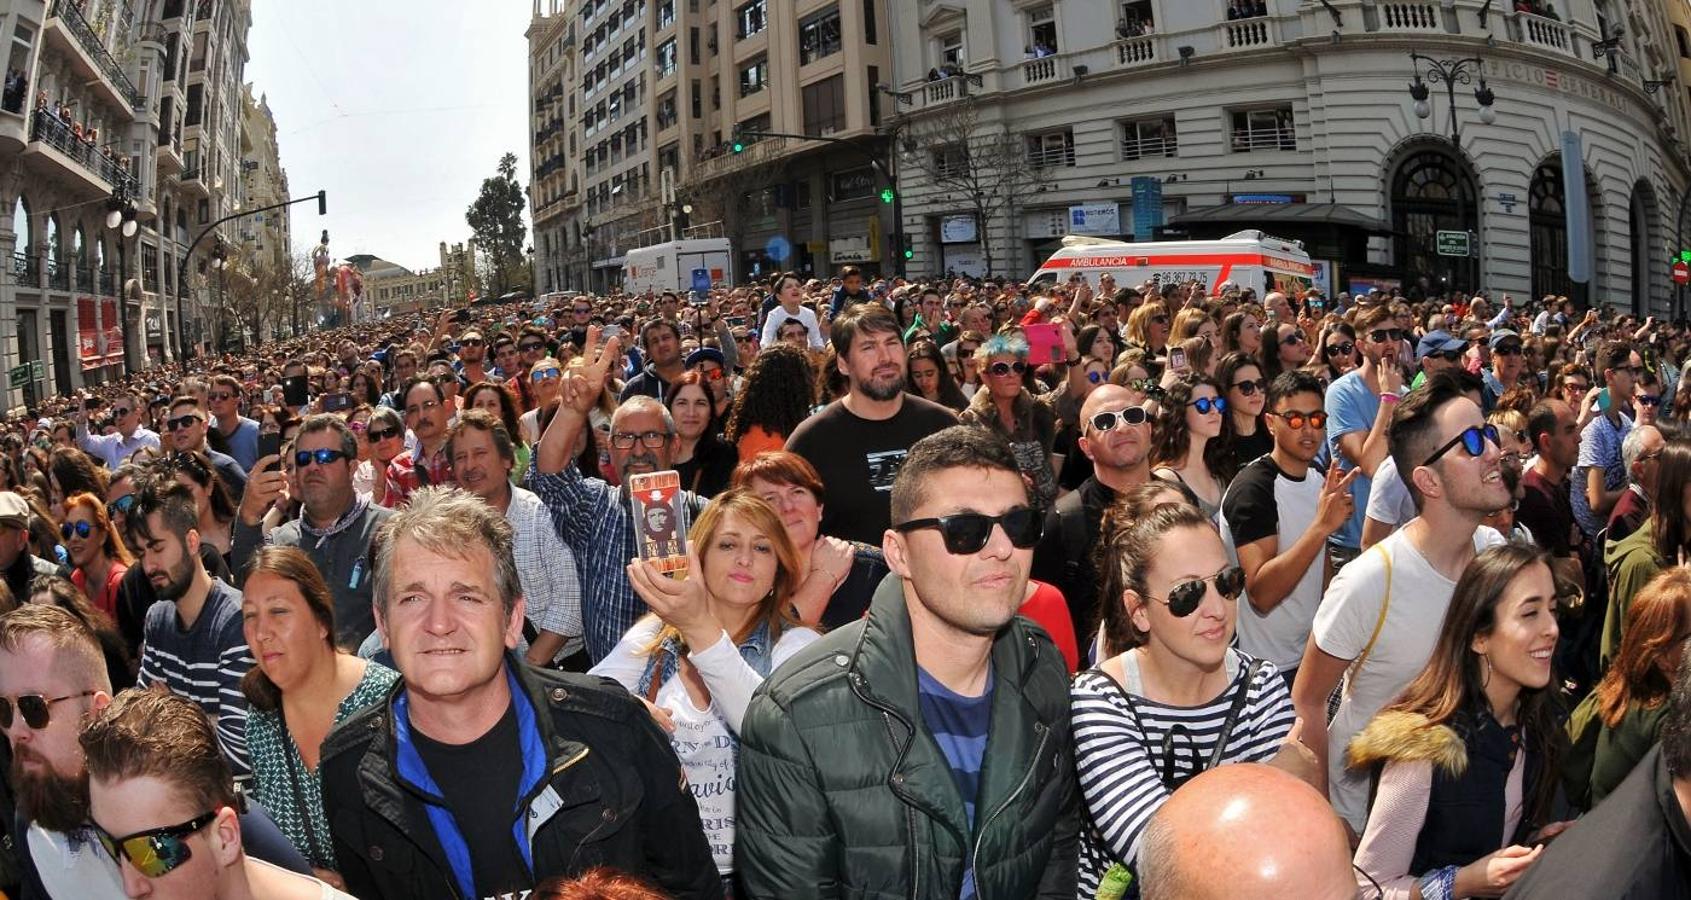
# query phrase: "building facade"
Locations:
[[554, 185], [396, 290], [266, 238], [1165, 117]]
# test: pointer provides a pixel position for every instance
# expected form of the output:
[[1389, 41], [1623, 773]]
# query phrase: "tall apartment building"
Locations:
[[1136, 118], [265, 239], [636, 104]]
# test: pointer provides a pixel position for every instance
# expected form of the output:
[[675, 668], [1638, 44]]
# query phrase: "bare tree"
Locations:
[[978, 162]]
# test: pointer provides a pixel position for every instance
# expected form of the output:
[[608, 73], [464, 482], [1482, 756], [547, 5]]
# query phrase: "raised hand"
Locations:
[[1336, 505], [584, 384], [1391, 376]]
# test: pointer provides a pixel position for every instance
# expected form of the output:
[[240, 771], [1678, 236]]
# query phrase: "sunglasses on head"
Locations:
[[1343, 349], [121, 506], [1249, 388], [1382, 335], [1108, 419], [1207, 405], [181, 422], [33, 708], [1472, 440], [1300, 419], [1184, 598], [80, 529], [1002, 369], [322, 457], [157, 851], [966, 533]]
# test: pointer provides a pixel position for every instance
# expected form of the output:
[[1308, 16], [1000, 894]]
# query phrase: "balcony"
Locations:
[[1039, 71], [1542, 32], [91, 57], [52, 137], [169, 155], [25, 270], [719, 162], [192, 180], [1248, 34], [1147, 147], [1137, 51], [1264, 139], [1409, 17]]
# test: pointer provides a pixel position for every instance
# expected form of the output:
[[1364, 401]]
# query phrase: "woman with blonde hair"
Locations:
[[1147, 328], [712, 637], [1006, 406]]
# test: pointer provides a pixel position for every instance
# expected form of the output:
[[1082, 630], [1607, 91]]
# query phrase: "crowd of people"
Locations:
[[1385, 596]]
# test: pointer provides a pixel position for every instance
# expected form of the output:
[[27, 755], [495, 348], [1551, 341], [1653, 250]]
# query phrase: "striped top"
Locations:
[[203, 663], [1119, 758], [960, 725]]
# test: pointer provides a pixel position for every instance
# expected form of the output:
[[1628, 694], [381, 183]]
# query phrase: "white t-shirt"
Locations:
[[1261, 502], [778, 315], [1389, 501], [1420, 596]]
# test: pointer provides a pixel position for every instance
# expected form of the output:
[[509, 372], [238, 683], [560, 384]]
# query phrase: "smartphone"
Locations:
[[337, 401], [1045, 343], [612, 331], [270, 445], [462, 315], [296, 390], [93, 403], [1603, 401], [1177, 359]]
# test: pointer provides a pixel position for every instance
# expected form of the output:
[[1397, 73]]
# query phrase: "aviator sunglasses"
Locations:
[[1183, 598]]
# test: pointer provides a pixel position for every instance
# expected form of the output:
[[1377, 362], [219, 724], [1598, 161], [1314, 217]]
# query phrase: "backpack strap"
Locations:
[[1380, 623]]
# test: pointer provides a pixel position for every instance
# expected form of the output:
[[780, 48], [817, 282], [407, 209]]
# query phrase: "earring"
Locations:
[[1485, 679]]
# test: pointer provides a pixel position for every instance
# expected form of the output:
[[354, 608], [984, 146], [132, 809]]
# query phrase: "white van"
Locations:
[[1249, 259], [672, 265]]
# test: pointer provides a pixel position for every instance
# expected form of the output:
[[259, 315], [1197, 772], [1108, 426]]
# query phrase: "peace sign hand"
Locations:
[[585, 383], [1336, 505]]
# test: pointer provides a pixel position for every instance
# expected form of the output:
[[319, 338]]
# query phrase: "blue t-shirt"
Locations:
[[1351, 407], [243, 443], [959, 725]]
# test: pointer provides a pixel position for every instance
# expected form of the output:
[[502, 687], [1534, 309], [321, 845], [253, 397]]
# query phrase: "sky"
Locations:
[[397, 108]]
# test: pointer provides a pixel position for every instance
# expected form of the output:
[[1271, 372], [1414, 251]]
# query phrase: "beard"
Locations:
[[181, 577], [51, 800], [882, 390]]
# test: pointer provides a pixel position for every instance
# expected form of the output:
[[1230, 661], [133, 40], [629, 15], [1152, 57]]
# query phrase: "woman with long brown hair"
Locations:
[[1663, 540], [97, 555], [1618, 723], [70, 471], [774, 397], [1467, 759], [1187, 443], [710, 640]]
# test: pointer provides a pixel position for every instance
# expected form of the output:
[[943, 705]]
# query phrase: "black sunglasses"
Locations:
[[1473, 442], [1343, 349], [80, 529], [1382, 335], [377, 435], [1292, 337], [1183, 598], [156, 851], [181, 422], [1446, 355], [530, 346], [33, 708], [1108, 419], [472, 342], [966, 533], [322, 457], [1249, 388], [1649, 400], [1506, 350]]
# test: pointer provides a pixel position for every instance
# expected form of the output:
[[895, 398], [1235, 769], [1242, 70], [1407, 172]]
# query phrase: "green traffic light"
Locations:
[[1685, 256], [886, 195], [909, 253], [739, 147]]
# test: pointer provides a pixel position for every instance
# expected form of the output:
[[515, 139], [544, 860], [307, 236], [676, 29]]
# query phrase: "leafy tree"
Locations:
[[496, 218]]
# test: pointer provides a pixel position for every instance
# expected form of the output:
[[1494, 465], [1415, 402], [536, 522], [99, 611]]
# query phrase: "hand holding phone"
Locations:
[[1177, 359]]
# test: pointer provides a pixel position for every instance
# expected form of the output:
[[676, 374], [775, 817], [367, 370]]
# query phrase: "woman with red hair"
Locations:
[[98, 558]]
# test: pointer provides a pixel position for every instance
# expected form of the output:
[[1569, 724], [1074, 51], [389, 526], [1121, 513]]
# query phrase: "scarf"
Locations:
[[355, 512]]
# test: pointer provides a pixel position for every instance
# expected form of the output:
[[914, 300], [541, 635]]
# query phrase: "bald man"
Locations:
[[1281, 839]]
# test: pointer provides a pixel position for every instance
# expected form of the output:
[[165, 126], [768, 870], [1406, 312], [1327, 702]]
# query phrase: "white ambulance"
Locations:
[[1249, 259]]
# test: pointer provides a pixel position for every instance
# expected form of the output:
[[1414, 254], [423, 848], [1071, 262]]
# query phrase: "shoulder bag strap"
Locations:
[[1380, 623], [1233, 712]]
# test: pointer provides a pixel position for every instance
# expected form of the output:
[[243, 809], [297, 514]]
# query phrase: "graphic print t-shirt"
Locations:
[[859, 458]]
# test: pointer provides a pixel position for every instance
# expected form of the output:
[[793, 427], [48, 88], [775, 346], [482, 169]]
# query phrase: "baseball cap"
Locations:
[[14, 512], [1438, 341], [705, 354], [1501, 335]]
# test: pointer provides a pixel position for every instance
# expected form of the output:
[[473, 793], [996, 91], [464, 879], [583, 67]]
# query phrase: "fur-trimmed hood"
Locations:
[[1400, 736]]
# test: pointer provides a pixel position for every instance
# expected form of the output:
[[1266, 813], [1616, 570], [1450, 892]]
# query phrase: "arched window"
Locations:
[[22, 237], [1434, 192], [79, 247], [1548, 220], [52, 243]]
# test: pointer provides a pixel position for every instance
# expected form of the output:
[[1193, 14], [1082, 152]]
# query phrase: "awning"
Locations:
[[1307, 214]]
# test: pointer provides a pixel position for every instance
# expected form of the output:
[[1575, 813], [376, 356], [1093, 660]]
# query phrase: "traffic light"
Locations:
[[739, 145], [906, 246], [887, 195]]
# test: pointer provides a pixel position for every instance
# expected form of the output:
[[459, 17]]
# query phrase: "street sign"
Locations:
[[20, 375], [1454, 243], [37, 370], [1681, 272]]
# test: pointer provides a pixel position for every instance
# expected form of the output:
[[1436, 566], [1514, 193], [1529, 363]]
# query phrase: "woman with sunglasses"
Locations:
[[705, 461], [1618, 723], [385, 436], [930, 377], [1181, 700], [1187, 444], [1473, 742], [98, 558], [1247, 396], [301, 688], [1338, 350], [499, 401], [545, 379], [1006, 406], [708, 643], [1147, 328]]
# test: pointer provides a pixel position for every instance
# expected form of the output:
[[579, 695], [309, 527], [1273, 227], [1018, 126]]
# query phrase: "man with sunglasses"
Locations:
[[53, 678], [1508, 356], [1599, 478], [710, 363], [336, 525], [114, 449], [472, 358], [1359, 408], [1277, 515], [1384, 607], [239, 434], [944, 661], [186, 424], [1115, 434], [1437, 351]]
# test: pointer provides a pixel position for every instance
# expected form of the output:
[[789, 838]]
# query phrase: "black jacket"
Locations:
[[615, 797], [1636, 845], [1064, 555]]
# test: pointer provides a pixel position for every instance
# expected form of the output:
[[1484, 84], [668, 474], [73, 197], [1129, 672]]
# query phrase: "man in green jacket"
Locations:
[[925, 750]]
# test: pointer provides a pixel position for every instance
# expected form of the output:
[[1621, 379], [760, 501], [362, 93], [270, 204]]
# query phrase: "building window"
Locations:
[[951, 161], [1051, 148], [692, 46], [666, 14], [1137, 19], [1042, 31], [1684, 42], [715, 92], [1432, 192], [824, 106], [819, 36], [666, 111], [698, 101], [874, 96], [751, 19], [1148, 137], [951, 49], [1246, 9], [666, 58], [1263, 129], [869, 22], [754, 76]]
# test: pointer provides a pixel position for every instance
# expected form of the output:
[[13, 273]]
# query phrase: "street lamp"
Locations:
[[1450, 72]]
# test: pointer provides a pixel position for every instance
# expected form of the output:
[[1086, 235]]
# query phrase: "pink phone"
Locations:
[[1045, 343]]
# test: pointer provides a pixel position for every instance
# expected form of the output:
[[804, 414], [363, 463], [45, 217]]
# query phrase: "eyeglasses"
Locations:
[[1108, 419], [1002, 369], [377, 435], [1575, 387], [1473, 441], [426, 406], [322, 457], [1382, 335], [1249, 388], [80, 529], [1096, 377], [1627, 370], [583, 310], [1183, 598], [181, 422], [158, 851], [1300, 419], [530, 346], [1649, 400], [1207, 405], [121, 506], [33, 708], [966, 533], [623, 440], [547, 375], [1344, 349], [1506, 350]]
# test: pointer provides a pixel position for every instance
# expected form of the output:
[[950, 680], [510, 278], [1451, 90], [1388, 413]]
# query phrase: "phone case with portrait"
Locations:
[[660, 518]]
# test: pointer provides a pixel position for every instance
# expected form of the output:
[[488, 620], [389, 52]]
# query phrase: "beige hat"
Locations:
[[14, 512]]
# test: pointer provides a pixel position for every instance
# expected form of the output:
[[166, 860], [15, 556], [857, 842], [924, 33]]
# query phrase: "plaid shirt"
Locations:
[[402, 474], [594, 520], [546, 568]]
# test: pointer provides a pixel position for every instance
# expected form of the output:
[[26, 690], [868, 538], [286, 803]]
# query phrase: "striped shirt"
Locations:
[[203, 663], [1119, 759], [959, 724]]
